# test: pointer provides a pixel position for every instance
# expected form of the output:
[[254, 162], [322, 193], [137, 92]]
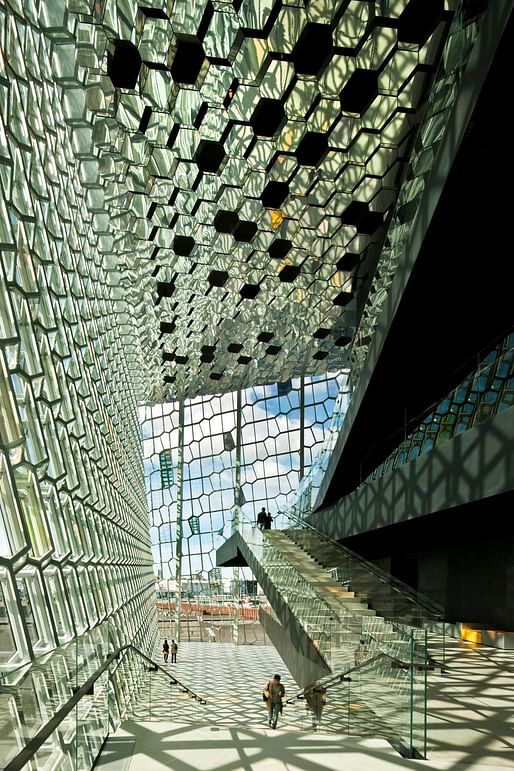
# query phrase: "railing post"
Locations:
[[425, 698], [411, 700], [302, 427]]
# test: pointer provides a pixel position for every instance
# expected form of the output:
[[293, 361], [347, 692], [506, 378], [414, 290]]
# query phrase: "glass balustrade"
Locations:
[[340, 622], [160, 698], [368, 627], [114, 688], [397, 608], [382, 697]]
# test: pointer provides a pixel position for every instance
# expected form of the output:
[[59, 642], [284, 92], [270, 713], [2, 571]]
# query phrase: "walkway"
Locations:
[[471, 719]]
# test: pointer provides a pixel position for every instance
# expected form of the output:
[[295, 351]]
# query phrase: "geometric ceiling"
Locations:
[[251, 153]]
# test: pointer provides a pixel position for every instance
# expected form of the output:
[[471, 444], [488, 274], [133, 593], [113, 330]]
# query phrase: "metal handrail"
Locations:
[[185, 689], [338, 615], [425, 603], [341, 678], [30, 749]]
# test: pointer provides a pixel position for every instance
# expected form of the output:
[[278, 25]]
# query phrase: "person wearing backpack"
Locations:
[[273, 693]]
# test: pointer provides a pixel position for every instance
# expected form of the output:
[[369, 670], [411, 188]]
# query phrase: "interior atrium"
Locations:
[[254, 254]]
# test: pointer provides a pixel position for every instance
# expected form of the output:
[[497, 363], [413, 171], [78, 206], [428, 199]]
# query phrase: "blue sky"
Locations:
[[269, 466]]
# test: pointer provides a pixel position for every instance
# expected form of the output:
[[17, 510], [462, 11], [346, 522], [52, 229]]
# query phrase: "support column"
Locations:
[[302, 427], [236, 518], [178, 548]]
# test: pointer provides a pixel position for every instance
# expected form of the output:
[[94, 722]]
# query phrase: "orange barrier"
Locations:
[[210, 610]]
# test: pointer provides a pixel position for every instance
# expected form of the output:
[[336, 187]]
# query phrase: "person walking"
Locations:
[[174, 649], [165, 650], [268, 521], [316, 699], [273, 693]]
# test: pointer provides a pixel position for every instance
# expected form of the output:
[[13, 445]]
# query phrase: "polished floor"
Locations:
[[470, 719]]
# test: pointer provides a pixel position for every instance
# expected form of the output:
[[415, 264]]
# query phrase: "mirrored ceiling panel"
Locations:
[[251, 153]]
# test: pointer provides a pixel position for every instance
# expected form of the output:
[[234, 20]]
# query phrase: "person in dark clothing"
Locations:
[[269, 520], [261, 519], [165, 650]]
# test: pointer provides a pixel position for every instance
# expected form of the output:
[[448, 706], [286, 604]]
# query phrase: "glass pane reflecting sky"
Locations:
[[271, 429]]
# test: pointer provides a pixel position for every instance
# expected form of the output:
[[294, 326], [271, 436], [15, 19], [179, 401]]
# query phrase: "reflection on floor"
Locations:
[[470, 724]]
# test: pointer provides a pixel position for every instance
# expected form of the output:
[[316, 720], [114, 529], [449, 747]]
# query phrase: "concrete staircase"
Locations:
[[346, 630], [387, 596]]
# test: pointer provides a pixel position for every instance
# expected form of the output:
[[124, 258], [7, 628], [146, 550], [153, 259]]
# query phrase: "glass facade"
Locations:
[[74, 544], [240, 452], [461, 38], [487, 391], [193, 201]]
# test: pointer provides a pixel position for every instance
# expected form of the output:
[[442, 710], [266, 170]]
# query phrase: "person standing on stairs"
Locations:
[[261, 519], [174, 650], [165, 650]]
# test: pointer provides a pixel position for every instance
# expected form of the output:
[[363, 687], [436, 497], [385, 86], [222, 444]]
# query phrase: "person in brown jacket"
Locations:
[[274, 692]]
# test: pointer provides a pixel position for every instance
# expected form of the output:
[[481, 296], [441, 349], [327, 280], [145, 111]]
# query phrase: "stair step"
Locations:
[[333, 614]]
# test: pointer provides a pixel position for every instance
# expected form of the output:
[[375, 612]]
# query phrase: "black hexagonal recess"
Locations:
[[244, 360], [225, 221], [320, 355], [168, 327], [343, 298], [209, 155], [207, 353], [348, 261], [250, 291], [359, 215], [183, 245], [360, 91], [312, 149], [217, 278], [272, 350], [188, 60], [244, 231], [234, 347], [265, 337], [313, 49], [289, 273], [321, 333], [418, 20], [279, 248], [274, 194], [165, 288], [123, 64], [268, 118], [343, 340]]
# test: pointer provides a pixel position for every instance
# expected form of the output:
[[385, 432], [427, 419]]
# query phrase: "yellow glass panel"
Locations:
[[277, 217]]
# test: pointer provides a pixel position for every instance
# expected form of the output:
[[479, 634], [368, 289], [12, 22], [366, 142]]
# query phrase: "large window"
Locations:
[[228, 470]]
